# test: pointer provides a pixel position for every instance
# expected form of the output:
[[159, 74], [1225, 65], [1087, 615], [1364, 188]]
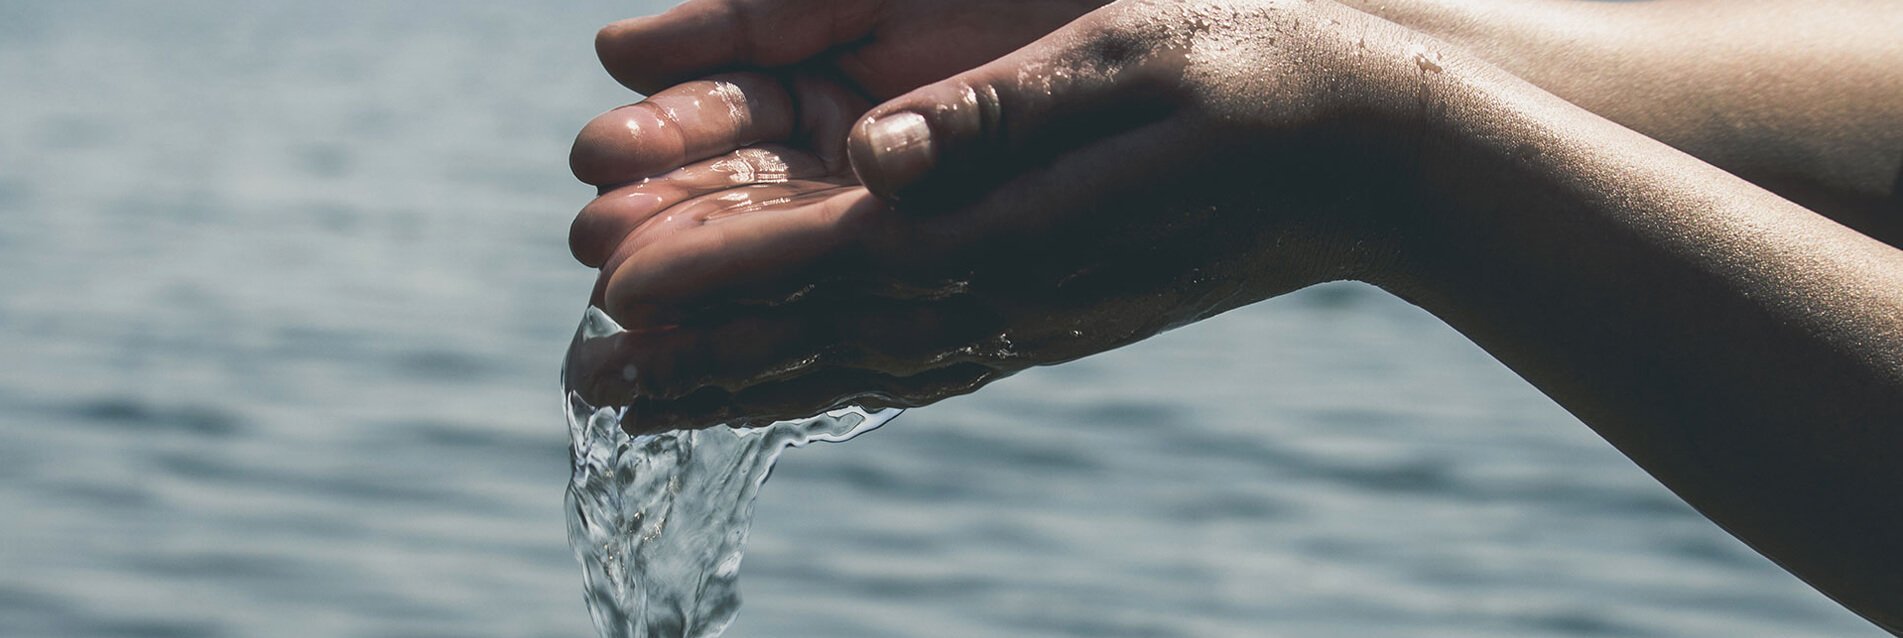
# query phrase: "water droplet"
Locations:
[[1428, 61]]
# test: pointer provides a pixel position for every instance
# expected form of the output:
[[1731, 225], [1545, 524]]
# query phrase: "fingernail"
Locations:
[[901, 146]]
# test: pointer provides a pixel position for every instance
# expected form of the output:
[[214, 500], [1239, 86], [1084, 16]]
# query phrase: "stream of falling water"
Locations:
[[659, 521]]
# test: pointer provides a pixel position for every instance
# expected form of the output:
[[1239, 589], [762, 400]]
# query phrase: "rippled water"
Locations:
[[285, 290]]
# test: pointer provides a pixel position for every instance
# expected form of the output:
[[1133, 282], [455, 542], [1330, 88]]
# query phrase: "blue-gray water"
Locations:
[[285, 293]]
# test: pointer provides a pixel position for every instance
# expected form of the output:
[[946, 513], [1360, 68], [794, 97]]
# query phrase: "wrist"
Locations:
[[1477, 145], [1417, 133]]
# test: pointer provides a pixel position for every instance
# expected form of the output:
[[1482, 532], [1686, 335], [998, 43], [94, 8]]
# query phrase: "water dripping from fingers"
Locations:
[[659, 521]]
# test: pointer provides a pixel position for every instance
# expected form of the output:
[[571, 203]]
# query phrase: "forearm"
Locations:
[[1802, 98], [1746, 352]]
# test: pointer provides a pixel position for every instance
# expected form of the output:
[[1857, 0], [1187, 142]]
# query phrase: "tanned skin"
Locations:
[[1669, 216]]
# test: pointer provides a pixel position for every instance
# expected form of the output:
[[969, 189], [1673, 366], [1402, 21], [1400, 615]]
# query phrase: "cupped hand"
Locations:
[[1145, 166]]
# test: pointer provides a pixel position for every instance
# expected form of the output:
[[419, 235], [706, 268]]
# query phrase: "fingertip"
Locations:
[[650, 53], [608, 219], [581, 243], [892, 151], [609, 37], [608, 41], [698, 37], [617, 46], [597, 149], [927, 135], [626, 144]]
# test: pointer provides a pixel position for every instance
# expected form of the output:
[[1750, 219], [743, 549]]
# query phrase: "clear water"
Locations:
[[285, 285], [659, 522]]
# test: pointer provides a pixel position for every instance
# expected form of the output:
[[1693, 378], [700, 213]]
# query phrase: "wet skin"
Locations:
[[1027, 245], [827, 228]]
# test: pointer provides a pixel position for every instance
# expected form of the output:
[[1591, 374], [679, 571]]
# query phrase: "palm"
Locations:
[[730, 201], [765, 283], [682, 168]]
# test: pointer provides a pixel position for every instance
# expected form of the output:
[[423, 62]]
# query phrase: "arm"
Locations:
[[1801, 98], [1154, 163], [1746, 352]]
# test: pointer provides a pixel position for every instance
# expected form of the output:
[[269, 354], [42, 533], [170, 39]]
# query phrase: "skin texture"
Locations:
[[741, 318], [1801, 98], [810, 225]]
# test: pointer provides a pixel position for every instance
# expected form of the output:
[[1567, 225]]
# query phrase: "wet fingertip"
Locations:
[[588, 157], [625, 144], [584, 241], [891, 152], [598, 232]]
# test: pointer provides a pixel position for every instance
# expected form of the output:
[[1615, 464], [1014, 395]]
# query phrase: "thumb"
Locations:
[[955, 137]]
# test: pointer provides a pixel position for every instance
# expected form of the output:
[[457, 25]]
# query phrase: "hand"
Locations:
[[1146, 166], [880, 48], [850, 52]]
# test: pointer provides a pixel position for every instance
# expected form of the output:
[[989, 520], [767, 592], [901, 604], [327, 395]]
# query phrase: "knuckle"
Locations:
[[969, 108], [990, 112]]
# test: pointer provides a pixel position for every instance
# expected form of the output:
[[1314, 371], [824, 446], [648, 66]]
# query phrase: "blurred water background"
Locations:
[[283, 294]]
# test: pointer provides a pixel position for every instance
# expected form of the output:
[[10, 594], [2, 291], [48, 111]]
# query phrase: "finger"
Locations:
[[719, 248], [716, 207], [605, 222], [685, 123], [705, 36], [1083, 82]]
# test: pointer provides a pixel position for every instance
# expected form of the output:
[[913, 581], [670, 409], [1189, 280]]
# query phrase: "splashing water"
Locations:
[[659, 521]]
